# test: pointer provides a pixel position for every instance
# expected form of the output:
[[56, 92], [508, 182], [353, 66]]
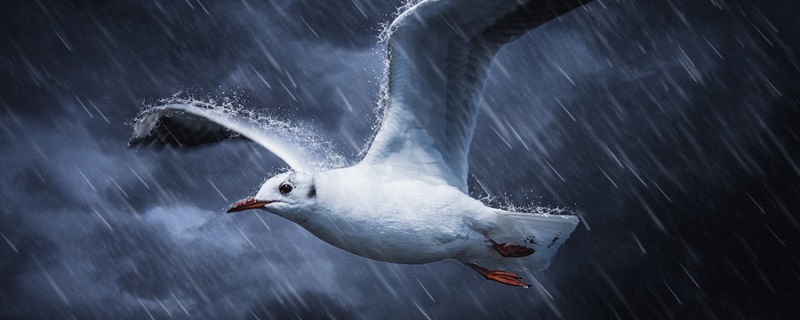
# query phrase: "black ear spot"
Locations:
[[313, 192]]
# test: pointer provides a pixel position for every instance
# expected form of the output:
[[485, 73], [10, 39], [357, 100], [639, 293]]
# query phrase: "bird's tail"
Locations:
[[544, 233]]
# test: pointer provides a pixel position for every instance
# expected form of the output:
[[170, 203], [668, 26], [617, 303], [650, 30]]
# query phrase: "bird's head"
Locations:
[[291, 195]]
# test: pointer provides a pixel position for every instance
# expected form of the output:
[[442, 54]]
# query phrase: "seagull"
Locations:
[[406, 200]]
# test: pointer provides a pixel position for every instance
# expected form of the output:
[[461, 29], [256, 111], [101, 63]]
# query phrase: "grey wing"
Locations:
[[439, 54], [188, 125]]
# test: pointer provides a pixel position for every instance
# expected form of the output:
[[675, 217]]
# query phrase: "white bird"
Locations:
[[406, 200]]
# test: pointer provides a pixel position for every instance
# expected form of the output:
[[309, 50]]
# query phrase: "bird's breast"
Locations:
[[392, 238], [397, 222]]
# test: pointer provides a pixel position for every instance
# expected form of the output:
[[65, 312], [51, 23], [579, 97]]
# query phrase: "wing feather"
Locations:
[[439, 54], [187, 125]]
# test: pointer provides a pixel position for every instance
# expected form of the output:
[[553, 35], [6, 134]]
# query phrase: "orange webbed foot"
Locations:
[[501, 276], [511, 251]]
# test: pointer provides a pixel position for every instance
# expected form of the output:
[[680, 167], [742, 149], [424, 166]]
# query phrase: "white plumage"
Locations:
[[406, 201]]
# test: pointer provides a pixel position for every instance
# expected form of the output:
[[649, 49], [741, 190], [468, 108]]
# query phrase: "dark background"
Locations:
[[671, 126]]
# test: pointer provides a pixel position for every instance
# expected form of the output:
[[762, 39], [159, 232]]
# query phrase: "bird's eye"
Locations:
[[285, 188]]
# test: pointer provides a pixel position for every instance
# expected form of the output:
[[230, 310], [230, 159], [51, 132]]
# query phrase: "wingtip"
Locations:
[[135, 142]]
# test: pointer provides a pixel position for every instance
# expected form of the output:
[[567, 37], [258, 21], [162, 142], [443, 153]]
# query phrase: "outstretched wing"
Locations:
[[188, 125], [439, 53]]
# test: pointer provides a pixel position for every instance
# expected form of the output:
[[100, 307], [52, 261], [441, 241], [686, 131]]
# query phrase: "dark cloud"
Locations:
[[348, 24], [40, 181], [304, 305]]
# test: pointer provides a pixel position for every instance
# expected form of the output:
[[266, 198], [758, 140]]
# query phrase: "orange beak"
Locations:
[[248, 203]]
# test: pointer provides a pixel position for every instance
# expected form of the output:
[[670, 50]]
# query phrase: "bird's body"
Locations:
[[385, 214], [406, 201], [373, 213]]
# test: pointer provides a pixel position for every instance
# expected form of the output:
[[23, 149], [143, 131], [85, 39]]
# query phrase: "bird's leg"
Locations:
[[501, 276], [511, 251]]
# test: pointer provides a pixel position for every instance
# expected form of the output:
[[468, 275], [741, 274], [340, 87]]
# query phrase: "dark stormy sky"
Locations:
[[671, 126]]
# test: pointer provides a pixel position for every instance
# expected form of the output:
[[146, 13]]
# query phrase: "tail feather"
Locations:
[[544, 233]]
